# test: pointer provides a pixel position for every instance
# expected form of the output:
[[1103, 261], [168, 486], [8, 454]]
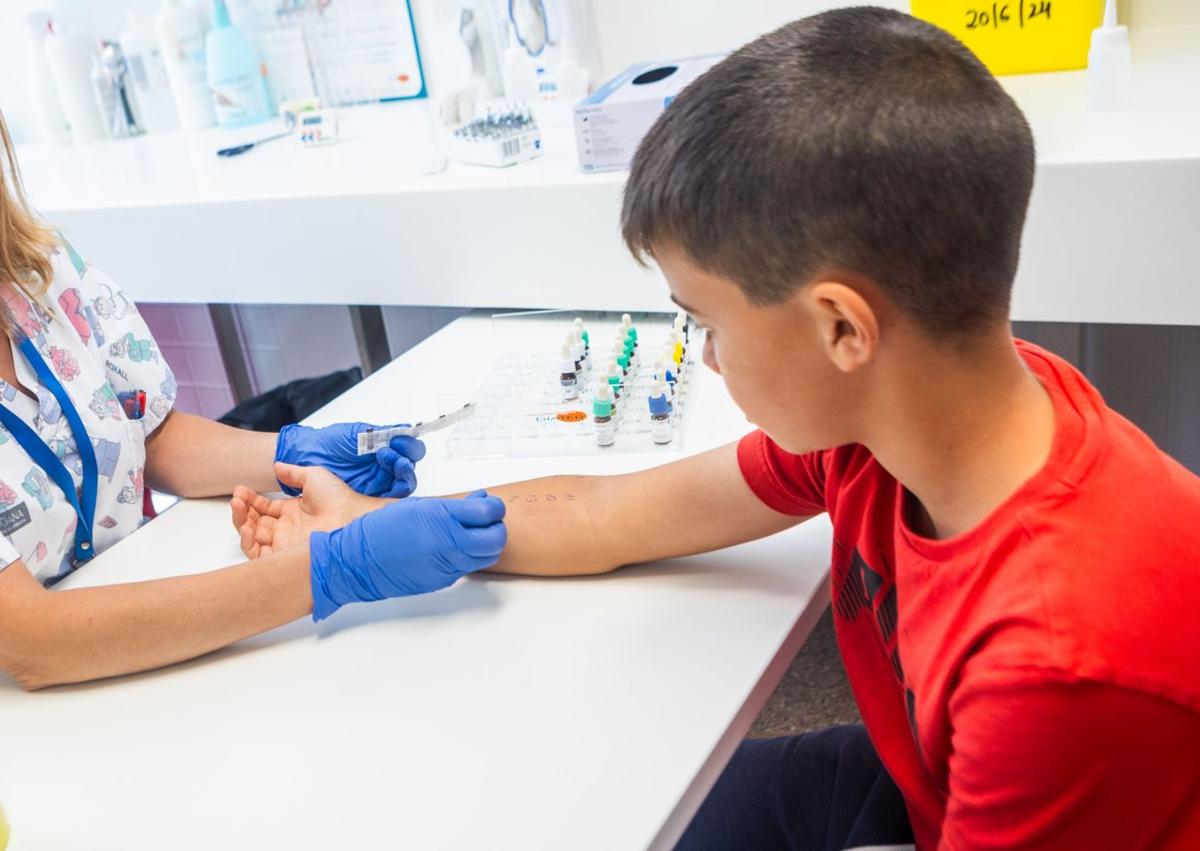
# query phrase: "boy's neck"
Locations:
[[962, 432]]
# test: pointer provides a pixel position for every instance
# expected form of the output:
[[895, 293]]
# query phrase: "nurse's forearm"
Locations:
[[53, 637], [192, 456]]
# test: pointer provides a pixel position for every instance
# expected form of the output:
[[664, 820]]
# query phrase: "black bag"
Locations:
[[291, 402]]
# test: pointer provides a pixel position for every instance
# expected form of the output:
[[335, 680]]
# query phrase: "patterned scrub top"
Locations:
[[92, 337]]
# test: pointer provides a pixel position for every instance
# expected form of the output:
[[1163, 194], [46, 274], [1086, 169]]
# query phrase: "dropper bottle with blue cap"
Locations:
[[235, 75], [660, 414]]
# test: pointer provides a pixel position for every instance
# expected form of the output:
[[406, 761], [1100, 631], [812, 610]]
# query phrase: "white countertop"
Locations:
[[504, 713], [1108, 239]]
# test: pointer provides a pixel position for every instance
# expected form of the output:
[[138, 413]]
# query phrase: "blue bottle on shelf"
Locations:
[[235, 75]]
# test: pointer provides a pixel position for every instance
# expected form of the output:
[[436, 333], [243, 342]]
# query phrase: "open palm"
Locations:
[[325, 503]]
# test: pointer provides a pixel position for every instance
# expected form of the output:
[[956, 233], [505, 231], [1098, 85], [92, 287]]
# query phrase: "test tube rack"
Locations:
[[520, 410]]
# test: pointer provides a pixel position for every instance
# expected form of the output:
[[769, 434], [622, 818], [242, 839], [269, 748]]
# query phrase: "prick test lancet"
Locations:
[[372, 440]]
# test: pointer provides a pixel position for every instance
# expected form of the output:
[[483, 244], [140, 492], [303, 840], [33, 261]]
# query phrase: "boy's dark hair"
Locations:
[[861, 140]]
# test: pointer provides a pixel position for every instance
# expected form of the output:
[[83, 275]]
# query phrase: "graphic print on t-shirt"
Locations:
[[858, 586]]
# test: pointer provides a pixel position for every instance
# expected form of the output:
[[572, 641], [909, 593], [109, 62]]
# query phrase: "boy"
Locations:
[[841, 203]]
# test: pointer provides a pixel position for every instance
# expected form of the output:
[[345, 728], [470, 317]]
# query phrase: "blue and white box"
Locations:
[[611, 121]]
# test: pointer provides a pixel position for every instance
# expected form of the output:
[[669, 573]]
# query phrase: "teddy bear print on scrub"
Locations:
[[38, 486], [131, 494], [131, 348], [31, 319], [112, 303], [64, 363], [104, 403], [82, 316], [8, 497]]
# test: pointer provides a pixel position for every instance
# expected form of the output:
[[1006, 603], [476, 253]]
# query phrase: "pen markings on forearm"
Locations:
[[540, 497]]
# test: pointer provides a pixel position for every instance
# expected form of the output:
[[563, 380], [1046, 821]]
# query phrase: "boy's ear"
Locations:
[[847, 326]]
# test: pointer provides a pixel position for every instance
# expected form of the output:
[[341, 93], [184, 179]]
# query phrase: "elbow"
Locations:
[[29, 675]]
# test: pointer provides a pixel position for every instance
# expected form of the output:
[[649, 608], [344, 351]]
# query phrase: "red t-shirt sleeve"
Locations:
[[1040, 763], [790, 484]]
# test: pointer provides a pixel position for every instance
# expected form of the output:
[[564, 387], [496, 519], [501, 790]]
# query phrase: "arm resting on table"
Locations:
[[53, 637], [573, 525], [557, 526]]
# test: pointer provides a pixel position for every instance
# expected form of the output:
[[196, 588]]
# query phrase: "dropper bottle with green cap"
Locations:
[[602, 416]]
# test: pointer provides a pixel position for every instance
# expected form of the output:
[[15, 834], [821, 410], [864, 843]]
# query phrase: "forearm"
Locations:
[[89, 633], [196, 457], [554, 527], [571, 525]]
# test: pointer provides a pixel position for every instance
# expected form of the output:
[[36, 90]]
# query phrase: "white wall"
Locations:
[[636, 31], [629, 30]]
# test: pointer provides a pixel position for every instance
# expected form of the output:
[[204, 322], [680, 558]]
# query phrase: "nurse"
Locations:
[[86, 423]]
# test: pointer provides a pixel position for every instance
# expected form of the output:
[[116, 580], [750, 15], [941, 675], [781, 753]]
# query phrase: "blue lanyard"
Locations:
[[41, 454]]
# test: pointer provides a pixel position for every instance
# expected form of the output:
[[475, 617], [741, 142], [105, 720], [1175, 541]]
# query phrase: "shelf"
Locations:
[[1116, 200]]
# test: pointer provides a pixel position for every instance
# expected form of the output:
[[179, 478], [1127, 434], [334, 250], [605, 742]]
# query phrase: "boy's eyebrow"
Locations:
[[683, 306]]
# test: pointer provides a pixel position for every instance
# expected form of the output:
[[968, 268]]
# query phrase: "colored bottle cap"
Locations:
[[660, 404], [602, 404]]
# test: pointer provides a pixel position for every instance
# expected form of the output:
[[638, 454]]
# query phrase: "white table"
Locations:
[[504, 713], [1109, 235]]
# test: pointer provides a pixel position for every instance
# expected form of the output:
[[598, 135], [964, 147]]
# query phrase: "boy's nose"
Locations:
[[710, 356]]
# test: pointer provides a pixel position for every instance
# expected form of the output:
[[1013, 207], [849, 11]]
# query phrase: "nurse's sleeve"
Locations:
[[124, 343]]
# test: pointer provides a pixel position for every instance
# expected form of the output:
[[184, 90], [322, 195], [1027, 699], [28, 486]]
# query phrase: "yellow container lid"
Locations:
[[3, 830], [1019, 36]]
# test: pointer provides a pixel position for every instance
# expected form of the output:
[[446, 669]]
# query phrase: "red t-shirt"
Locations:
[[1034, 682]]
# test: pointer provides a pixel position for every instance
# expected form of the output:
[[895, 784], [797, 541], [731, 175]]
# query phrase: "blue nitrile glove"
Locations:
[[408, 547], [390, 472]]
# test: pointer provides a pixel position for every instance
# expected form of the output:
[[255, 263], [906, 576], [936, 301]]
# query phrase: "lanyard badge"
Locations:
[[84, 502]]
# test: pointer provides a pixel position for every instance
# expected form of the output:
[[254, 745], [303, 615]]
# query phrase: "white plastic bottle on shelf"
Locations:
[[148, 76], [47, 108], [520, 71], [181, 41], [571, 78], [70, 56]]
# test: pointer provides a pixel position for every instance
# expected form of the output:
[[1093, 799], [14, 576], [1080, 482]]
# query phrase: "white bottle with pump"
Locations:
[[148, 76], [70, 56], [47, 108], [181, 41]]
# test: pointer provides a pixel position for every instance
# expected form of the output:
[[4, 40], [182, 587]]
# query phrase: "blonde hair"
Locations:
[[26, 243]]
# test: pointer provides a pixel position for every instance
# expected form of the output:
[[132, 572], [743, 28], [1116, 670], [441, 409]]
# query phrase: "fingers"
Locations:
[[486, 543], [291, 475], [412, 448], [399, 471], [264, 531], [252, 500], [266, 506], [481, 534], [476, 510], [239, 510], [249, 547]]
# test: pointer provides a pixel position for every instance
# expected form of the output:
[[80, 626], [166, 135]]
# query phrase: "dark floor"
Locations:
[[814, 692]]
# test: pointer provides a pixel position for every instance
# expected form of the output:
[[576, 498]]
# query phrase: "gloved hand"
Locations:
[[408, 547], [390, 472]]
